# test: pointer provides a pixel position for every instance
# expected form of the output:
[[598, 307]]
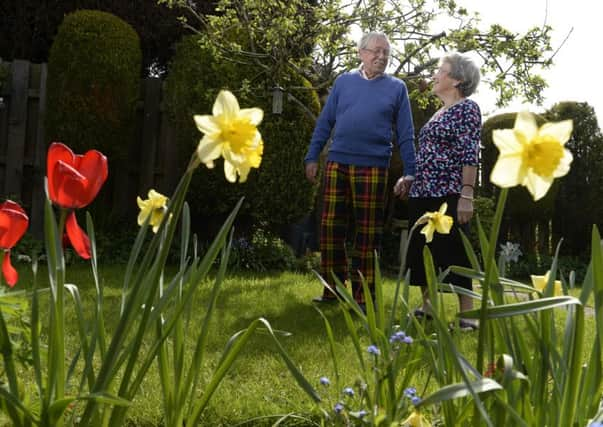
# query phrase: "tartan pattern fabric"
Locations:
[[353, 209]]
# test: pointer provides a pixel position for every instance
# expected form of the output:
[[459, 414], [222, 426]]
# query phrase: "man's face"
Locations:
[[375, 56]]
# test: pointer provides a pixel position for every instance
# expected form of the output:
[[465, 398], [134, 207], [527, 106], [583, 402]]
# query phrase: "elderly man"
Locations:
[[365, 112]]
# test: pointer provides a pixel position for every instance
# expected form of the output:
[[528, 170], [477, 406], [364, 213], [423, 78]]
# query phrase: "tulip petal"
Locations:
[[93, 165], [10, 274], [57, 152], [13, 224], [68, 185], [79, 240]]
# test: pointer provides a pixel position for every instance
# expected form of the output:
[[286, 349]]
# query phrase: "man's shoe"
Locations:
[[324, 300]]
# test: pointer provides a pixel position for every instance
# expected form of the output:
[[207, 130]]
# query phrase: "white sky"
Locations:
[[575, 74]]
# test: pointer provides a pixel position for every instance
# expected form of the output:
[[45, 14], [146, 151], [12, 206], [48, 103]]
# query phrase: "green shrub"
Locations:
[[277, 193], [263, 251], [93, 83], [524, 218], [93, 89], [578, 203]]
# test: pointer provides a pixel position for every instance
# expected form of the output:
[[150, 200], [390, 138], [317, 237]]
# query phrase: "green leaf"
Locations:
[[455, 391], [524, 307]]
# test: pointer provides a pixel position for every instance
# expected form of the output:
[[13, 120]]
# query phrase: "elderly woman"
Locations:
[[446, 167]]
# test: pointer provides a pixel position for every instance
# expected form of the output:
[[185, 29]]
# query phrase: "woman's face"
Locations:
[[442, 82]]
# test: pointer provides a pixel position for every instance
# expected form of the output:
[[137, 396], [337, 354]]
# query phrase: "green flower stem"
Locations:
[[490, 271], [401, 274], [6, 349], [56, 345]]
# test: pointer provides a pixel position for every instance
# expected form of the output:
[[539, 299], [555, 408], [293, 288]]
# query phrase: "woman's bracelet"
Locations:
[[462, 196], [467, 185]]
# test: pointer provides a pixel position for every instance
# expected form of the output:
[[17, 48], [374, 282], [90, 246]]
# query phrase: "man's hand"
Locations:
[[311, 171]]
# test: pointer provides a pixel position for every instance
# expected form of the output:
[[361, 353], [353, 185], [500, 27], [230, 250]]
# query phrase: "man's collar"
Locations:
[[363, 73]]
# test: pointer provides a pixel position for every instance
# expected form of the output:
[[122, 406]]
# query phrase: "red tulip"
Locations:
[[73, 182], [13, 223]]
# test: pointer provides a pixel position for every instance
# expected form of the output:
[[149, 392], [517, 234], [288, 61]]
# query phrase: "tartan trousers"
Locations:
[[353, 210]]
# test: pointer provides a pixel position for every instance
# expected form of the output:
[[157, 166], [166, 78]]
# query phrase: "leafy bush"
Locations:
[[578, 203], [277, 193], [263, 251], [93, 83], [522, 215], [93, 90]]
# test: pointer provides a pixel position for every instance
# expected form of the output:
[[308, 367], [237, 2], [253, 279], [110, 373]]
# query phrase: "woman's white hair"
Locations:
[[462, 68]]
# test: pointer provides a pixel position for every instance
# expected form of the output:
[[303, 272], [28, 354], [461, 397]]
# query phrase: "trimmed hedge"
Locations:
[[525, 220], [93, 83], [93, 90], [277, 193]]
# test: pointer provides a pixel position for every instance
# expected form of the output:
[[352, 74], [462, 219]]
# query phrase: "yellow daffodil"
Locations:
[[416, 420], [232, 133], [154, 206], [531, 156], [539, 282], [435, 221]]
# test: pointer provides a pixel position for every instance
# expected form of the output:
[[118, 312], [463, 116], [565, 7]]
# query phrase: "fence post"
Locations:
[[150, 133], [17, 126], [39, 161]]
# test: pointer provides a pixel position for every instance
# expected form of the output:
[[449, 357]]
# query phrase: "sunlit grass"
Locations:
[[259, 385]]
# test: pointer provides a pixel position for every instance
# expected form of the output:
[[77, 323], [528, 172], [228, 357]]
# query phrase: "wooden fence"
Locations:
[[23, 143]]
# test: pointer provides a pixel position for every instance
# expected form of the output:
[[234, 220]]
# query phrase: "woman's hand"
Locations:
[[464, 210], [402, 187]]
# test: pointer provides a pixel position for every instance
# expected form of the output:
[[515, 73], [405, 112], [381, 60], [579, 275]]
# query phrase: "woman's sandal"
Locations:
[[464, 326]]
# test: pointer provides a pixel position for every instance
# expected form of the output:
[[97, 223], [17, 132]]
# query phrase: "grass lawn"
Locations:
[[259, 384]]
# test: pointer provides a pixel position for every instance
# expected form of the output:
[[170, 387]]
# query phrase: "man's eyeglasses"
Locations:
[[377, 52]]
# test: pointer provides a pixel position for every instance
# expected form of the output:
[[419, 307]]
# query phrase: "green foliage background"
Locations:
[[277, 193], [93, 83], [571, 206], [93, 91], [578, 204]]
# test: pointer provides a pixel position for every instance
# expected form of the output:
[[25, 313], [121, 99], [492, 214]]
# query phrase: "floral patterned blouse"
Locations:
[[449, 141]]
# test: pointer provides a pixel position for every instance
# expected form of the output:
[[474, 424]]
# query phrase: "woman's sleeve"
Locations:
[[469, 134]]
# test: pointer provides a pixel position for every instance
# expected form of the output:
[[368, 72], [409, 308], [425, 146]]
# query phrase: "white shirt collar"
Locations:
[[363, 74]]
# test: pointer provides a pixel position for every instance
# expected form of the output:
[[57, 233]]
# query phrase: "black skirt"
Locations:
[[446, 249]]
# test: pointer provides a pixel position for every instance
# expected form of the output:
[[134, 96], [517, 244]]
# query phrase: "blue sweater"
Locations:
[[364, 114]]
